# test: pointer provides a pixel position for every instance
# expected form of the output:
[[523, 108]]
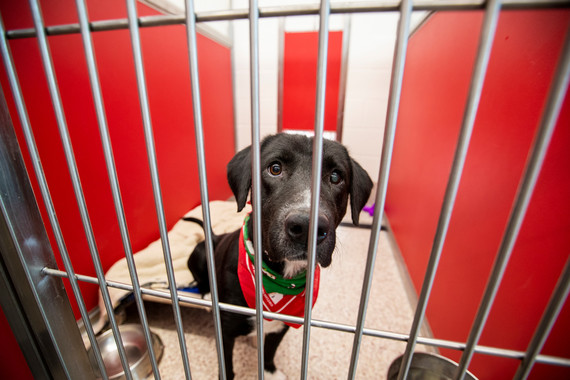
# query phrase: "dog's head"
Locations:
[[286, 163]]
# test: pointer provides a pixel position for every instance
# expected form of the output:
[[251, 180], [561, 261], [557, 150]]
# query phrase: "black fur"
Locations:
[[284, 212]]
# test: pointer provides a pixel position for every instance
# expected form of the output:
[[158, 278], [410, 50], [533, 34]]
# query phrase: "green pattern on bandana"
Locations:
[[274, 282]]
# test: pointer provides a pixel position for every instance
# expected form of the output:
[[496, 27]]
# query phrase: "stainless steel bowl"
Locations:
[[135, 348], [426, 366]]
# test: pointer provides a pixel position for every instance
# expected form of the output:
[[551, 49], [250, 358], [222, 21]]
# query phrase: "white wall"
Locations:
[[368, 80], [369, 67]]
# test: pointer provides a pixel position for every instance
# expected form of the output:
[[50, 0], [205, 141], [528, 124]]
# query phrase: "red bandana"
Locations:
[[275, 302]]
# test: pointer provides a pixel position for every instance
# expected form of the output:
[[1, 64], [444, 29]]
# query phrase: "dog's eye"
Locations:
[[335, 177], [275, 169]]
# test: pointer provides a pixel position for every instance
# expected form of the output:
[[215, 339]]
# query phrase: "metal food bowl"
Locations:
[[135, 348], [426, 366]]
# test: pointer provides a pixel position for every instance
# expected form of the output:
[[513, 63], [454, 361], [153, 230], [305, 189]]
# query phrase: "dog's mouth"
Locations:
[[285, 251]]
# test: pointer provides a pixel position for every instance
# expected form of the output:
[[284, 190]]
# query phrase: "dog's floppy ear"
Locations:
[[239, 176], [360, 188]]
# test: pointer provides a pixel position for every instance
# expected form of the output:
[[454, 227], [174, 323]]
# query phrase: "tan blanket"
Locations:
[[183, 237]]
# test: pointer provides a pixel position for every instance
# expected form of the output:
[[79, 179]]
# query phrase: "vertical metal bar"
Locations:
[[73, 171], [113, 178], [44, 190], [233, 71], [343, 75], [280, 72], [484, 52], [324, 13], [522, 200], [198, 129], [387, 148], [546, 322], [256, 177], [151, 153]]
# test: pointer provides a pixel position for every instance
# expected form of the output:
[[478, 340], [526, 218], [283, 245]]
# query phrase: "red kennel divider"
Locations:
[[438, 69], [300, 80], [168, 79]]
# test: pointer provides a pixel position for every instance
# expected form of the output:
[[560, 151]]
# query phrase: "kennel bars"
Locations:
[[476, 87], [69, 364]]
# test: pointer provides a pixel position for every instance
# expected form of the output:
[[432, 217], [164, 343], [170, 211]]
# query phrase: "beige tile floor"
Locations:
[[390, 309]]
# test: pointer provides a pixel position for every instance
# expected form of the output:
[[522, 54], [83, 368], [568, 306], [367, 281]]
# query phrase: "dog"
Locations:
[[286, 162]]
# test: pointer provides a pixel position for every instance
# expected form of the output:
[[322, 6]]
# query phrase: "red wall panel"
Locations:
[[12, 362], [168, 82], [438, 70], [300, 80]]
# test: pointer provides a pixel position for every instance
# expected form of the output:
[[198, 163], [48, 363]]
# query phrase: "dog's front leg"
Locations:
[[272, 341], [228, 342], [233, 325]]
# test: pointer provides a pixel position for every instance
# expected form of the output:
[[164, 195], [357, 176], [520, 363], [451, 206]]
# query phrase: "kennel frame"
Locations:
[[36, 277]]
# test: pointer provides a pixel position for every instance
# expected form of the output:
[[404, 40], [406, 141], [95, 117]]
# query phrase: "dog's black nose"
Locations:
[[297, 227]]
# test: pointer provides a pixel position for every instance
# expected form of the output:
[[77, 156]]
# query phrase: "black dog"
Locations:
[[286, 162]]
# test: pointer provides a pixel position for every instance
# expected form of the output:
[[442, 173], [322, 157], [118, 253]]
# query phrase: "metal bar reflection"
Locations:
[[149, 139], [74, 173], [522, 200], [387, 148], [484, 52]]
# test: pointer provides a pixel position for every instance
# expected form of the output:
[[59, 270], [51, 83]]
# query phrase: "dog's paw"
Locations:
[[276, 375]]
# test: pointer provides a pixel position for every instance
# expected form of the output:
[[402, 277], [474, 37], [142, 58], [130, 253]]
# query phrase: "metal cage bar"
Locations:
[[113, 178], [200, 149], [233, 55], [522, 200], [316, 177], [149, 139], [256, 178], [546, 322], [483, 54], [73, 171], [280, 72], [434, 342], [26, 295], [290, 10], [44, 190], [400, 48], [346, 31]]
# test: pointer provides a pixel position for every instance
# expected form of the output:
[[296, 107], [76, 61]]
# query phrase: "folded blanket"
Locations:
[[149, 262]]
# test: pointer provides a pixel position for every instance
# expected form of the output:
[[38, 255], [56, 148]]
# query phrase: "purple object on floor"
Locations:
[[369, 209]]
